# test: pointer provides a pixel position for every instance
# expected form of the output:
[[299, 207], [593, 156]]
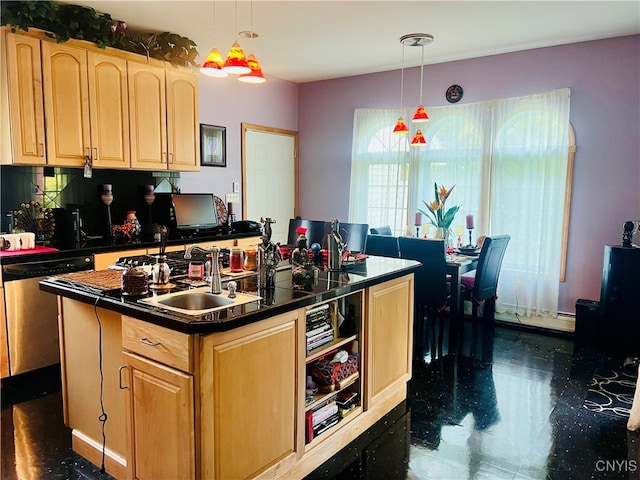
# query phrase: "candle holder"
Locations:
[[107, 199], [149, 197], [470, 244]]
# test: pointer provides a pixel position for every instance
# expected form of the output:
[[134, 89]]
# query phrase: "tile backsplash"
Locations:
[[67, 190]]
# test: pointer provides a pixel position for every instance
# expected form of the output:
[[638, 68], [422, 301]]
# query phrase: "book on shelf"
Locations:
[[317, 319], [320, 329], [327, 424], [318, 313], [319, 343], [323, 413], [318, 310], [309, 426], [320, 336], [346, 399]]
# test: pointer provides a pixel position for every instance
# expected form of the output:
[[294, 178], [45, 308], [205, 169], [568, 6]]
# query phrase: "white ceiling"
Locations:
[[309, 40]]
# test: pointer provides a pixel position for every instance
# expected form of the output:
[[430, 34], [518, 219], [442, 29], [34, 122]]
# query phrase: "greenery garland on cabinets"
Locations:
[[63, 22]]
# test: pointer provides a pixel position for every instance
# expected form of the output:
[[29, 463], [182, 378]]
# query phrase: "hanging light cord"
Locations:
[[402, 80], [236, 20], [214, 23], [421, 74]]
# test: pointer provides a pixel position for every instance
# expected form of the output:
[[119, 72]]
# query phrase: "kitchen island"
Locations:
[[223, 395]]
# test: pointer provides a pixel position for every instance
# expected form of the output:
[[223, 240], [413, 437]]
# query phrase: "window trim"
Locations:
[[567, 203]]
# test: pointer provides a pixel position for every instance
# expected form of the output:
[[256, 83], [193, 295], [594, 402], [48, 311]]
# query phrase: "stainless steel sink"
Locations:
[[198, 301]]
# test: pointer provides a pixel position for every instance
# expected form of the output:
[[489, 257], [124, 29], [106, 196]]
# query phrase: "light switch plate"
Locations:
[[236, 187], [232, 197]]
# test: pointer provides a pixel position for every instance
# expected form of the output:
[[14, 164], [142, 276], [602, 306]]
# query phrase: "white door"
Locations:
[[270, 176]]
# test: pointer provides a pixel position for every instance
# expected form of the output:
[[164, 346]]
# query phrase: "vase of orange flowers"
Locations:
[[439, 216]]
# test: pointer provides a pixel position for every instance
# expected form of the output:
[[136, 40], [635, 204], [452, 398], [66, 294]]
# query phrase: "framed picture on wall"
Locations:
[[213, 146]]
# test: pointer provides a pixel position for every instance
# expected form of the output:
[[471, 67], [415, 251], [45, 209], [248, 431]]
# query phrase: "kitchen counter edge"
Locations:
[[388, 269]]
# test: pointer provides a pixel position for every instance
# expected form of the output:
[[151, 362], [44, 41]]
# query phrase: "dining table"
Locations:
[[457, 265]]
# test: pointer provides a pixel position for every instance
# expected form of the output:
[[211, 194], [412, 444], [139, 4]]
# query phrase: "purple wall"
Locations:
[[228, 103], [604, 77]]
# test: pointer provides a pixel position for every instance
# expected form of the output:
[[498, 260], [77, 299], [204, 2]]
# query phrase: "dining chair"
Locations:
[[431, 292], [383, 230], [382, 245], [354, 235], [479, 286]]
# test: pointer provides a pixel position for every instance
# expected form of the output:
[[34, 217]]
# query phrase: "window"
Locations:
[[508, 160]]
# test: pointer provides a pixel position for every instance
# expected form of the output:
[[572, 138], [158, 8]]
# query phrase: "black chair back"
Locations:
[[489, 265], [354, 235], [315, 231], [383, 230], [382, 245], [431, 278]]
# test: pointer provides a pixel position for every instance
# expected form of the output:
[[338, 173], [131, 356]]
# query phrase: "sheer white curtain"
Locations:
[[456, 154], [379, 171], [528, 187], [508, 160]]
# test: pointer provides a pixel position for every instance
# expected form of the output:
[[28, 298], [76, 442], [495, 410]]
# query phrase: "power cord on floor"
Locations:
[[102, 418]]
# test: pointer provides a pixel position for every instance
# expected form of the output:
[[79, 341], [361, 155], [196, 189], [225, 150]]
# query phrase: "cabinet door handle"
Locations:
[[170, 157], [88, 152], [146, 341], [95, 149], [122, 387], [41, 149], [164, 154]]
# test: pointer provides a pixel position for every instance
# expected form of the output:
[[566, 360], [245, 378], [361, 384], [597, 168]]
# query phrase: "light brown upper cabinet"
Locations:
[[85, 104], [116, 108], [163, 109], [24, 139]]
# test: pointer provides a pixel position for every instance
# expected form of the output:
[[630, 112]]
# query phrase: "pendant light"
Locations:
[[414, 40], [212, 66], [236, 63], [418, 140], [255, 75], [401, 127], [421, 39]]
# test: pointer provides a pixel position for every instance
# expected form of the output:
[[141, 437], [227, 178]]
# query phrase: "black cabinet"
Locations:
[[620, 300]]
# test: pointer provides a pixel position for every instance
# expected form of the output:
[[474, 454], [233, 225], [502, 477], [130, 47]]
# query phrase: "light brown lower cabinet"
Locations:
[[160, 421], [248, 398], [228, 405]]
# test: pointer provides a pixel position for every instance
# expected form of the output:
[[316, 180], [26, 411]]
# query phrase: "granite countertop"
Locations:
[[282, 298], [44, 254]]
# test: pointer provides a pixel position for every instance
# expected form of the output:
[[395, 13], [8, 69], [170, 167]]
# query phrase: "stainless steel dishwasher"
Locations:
[[32, 315]]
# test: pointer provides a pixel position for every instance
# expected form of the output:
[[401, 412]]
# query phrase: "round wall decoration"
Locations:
[[454, 94]]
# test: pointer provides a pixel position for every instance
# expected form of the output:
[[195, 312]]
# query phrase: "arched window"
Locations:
[[511, 165]]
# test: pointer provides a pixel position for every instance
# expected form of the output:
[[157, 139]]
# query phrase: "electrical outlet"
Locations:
[[232, 197], [236, 187]]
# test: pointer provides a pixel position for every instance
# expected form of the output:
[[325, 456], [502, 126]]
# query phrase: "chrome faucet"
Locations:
[[213, 272], [190, 249]]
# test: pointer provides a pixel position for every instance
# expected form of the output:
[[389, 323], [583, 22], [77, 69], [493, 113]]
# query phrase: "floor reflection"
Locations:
[[506, 404]]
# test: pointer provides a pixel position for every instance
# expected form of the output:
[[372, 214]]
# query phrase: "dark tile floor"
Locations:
[[506, 405]]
